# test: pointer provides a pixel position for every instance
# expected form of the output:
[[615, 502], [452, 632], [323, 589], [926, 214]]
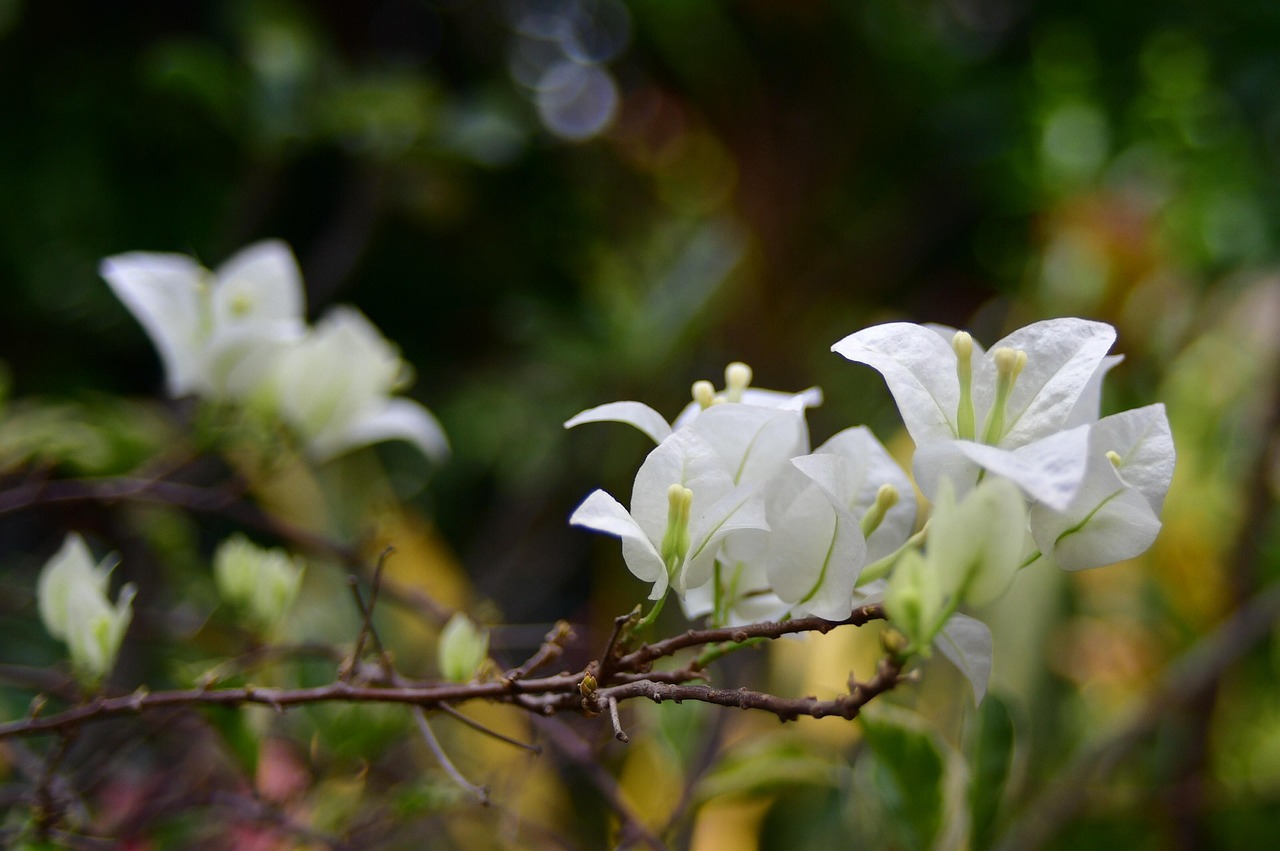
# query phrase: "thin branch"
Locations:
[[424, 727], [480, 728], [697, 638], [553, 645]]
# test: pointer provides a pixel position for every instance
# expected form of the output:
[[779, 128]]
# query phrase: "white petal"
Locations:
[[163, 292], [868, 466], [1089, 404], [753, 443], [816, 551], [1142, 439], [685, 459], [1120, 526], [1049, 470], [70, 567], [966, 642], [260, 283], [976, 546], [740, 509], [946, 459], [400, 419], [603, 513], [920, 368], [1063, 357], [636, 414]]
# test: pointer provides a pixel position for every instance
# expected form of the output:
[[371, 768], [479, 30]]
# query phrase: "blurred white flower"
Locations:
[[335, 388], [71, 597], [211, 328]]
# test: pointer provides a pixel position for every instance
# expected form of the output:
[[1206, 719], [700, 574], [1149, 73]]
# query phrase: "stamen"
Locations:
[[737, 378], [1009, 365], [962, 343], [675, 543], [704, 392], [1114, 458], [886, 498]]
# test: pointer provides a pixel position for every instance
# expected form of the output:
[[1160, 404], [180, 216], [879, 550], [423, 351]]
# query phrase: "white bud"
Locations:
[[261, 582], [463, 648]]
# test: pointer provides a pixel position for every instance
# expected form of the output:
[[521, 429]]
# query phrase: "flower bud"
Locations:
[[463, 648], [71, 596], [260, 582]]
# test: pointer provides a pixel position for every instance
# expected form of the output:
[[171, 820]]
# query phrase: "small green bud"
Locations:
[[263, 583], [463, 648]]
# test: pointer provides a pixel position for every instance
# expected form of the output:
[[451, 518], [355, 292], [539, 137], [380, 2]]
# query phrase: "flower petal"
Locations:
[[1049, 470], [259, 283], [1063, 357], [865, 466], [163, 292], [920, 368], [966, 642], [636, 414], [753, 443], [1144, 442], [816, 551], [399, 419], [1097, 532], [602, 513]]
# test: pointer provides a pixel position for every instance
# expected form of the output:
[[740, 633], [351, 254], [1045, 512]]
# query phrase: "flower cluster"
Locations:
[[734, 512], [239, 334]]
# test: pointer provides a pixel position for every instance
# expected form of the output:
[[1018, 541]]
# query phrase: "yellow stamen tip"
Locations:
[[704, 393], [962, 342], [1114, 458], [737, 376]]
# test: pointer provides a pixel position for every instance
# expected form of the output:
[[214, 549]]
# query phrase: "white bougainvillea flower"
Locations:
[[737, 390], [683, 504], [335, 388], [968, 410], [1116, 513], [1025, 388], [208, 327], [71, 595]]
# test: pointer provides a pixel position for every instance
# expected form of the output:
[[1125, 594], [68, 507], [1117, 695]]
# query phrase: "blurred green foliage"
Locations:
[[775, 175]]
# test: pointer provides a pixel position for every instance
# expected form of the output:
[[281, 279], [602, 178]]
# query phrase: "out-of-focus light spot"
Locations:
[[531, 59], [1233, 228], [1074, 273], [598, 30], [484, 134], [576, 101], [547, 19], [1075, 140]]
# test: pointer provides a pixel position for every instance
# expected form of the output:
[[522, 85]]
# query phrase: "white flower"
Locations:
[[71, 597], [334, 387], [1115, 514], [737, 390], [966, 409], [210, 328], [683, 504], [261, 582]]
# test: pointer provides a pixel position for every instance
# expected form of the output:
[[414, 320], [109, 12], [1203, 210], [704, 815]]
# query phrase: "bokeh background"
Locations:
[[550, 204]]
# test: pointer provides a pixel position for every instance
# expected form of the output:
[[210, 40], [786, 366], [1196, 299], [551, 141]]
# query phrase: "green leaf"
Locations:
[[990, 758], [769, 764], [919, 778]]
